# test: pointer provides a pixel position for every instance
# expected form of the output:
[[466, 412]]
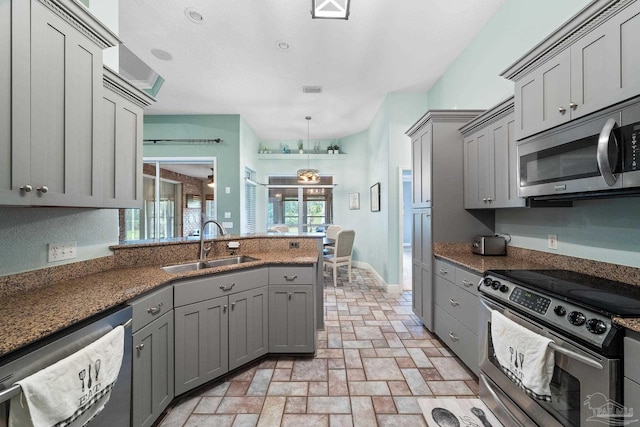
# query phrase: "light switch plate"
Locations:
[[61, 251], [227, 215], [227, 190]]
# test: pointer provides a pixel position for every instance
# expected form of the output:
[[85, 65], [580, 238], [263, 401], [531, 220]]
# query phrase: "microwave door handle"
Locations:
[[603, 152]]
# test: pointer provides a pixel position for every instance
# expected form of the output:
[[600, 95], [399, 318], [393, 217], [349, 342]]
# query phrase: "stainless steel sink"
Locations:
[[201, 265]]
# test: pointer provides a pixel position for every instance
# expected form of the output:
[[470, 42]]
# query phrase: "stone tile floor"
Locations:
[[374, 360]]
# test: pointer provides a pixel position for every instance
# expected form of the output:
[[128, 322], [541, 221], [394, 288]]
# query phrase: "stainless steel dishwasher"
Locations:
[[22, 363]]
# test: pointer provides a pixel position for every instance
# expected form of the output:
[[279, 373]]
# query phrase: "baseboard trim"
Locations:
[[390, 288]]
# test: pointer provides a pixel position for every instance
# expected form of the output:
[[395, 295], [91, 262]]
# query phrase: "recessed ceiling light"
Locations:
[[283, 46], [193, 15], [161, 54]]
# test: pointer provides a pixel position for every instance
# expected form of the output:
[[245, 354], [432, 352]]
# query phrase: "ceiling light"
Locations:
[[161, 54], [330, 9], [308, 176], [283, 46], [193, 15]]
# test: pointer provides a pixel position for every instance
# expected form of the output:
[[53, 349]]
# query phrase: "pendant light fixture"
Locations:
[[308, 176]]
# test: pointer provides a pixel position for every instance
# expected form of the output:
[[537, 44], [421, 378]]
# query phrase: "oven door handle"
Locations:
[[579, 357], [497, 399]]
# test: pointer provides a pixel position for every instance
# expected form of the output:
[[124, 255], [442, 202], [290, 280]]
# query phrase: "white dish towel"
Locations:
[[525, 357], [72, 391]]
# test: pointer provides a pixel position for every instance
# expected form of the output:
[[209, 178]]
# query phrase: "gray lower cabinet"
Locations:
[[291, 327], [221, 323], [201, 343], [631, 371], [456, 311], [153, 356], [421, 254]]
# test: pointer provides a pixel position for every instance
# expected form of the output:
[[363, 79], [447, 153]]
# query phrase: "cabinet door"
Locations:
[[152, 370], [422, 254], [121, 152], [248, 326], [416, 289], [291, 319], [201, 343], [66, 82], [421, 168], [471, 172]]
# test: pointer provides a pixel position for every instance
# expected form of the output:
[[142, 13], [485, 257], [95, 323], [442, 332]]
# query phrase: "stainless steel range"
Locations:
[[573, 310]]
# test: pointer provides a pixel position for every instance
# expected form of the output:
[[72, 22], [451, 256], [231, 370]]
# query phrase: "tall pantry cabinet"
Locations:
[[438, 198]]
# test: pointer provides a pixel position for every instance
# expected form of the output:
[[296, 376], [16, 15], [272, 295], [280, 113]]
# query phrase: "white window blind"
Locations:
[[250, 192]]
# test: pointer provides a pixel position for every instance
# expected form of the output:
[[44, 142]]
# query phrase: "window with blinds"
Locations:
[[303, 208], [250, 201]]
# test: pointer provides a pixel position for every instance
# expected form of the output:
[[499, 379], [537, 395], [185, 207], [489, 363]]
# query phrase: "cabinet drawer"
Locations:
[[467, 280], [289, 275], [444, 270], [151, 307], [459, 339], [631, 350], [214, 286], [460, 304]]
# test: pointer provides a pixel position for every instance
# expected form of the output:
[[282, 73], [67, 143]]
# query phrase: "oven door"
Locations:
[[578, 374], [581, 157]]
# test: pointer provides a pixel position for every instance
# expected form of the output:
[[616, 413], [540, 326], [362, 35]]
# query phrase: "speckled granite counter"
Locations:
[[518, 258], [31, 311]]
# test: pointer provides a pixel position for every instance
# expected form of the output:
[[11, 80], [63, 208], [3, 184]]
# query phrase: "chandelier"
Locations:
[[308, 175]]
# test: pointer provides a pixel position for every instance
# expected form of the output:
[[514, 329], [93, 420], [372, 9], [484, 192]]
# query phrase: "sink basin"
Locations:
[[201, 265]]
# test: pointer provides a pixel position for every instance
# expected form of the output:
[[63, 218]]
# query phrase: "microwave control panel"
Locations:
[[630, 136]]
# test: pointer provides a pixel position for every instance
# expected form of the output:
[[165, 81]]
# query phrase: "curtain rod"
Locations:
[[188, 141]]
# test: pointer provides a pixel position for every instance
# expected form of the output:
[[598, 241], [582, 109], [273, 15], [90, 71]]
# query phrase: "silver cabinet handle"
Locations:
[[443, 271], [227, 288], [484, 200], [562, 110], [290, 278], [26, 188], [489, 199], [224, 308], [154, 310], [233, 305], [454, 302], [140, 347], [467, 283], [573, 105], [602, 155], [43, 189], [453, 337], [289, 295]]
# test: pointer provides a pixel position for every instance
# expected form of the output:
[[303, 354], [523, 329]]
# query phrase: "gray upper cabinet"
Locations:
[[490, 160], [591, 62], [121, 141], [6, 191], [421, 167], [56, 88]]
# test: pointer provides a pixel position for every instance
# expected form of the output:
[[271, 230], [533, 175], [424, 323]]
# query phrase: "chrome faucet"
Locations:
[[205, 251]]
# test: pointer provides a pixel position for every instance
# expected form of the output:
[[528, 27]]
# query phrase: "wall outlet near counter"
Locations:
[[64, 250], [553, 241]]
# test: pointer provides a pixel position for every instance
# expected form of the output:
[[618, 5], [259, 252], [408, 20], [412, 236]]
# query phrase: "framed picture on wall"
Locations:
[[354, 201], [375, 197]]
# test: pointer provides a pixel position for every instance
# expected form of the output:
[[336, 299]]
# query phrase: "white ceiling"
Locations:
[[230, 63]]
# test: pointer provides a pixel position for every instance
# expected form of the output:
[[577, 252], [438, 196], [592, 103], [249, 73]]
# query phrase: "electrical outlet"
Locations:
[[294, 245], [227, 215], [64, 250], [553, 241]]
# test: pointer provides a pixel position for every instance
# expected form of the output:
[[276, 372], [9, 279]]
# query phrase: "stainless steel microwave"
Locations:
[[595, 156]]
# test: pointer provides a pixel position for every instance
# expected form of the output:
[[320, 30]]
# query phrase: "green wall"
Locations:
[[227, 153]]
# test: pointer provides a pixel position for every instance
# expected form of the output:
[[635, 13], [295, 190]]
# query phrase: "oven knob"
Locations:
[[576, 318], [596, 326], [504, 288], [495, 285], [487, 281], [560, 311]]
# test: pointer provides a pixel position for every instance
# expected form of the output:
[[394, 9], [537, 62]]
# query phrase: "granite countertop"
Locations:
[[30, 315], [460, 253]]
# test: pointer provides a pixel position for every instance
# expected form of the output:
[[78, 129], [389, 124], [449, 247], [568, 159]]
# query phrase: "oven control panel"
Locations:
[[531, 300], [566, 317]]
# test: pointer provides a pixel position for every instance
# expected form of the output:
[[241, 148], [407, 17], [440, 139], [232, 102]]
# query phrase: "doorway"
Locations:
[[405, 227]]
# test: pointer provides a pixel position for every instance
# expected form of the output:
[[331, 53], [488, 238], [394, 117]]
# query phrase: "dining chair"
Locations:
[[343, 251], [279, 228], [331, 233]]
